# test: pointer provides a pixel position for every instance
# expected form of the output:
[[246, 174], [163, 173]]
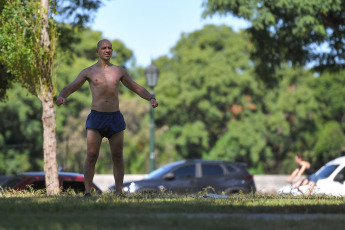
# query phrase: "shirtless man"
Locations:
[[105, 119]]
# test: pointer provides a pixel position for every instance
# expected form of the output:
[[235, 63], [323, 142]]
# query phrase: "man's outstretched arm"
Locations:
[[71, 88], [138, 89]]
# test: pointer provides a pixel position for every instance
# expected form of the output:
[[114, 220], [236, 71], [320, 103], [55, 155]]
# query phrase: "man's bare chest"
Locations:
[[105, 78]]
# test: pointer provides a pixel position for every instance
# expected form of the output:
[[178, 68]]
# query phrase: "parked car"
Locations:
[[192, 176], [36, 180], [330, 180]]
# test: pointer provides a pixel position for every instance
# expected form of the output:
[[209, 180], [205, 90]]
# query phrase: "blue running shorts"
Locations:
[[107, 123]]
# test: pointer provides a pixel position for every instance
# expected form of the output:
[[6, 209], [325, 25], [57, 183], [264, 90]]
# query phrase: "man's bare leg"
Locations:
[[94, 141], [116, 147]]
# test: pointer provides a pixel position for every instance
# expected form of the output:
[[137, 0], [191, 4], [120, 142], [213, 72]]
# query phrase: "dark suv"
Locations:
[[192, 176]]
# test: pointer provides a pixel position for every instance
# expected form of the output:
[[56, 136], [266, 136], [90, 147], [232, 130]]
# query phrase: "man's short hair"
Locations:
[[100, 42]]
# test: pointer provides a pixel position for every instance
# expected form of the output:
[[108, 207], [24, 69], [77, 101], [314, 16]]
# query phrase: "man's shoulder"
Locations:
[[87, 72], [87, 69], [119, 70], [91, 67], [118, 67]]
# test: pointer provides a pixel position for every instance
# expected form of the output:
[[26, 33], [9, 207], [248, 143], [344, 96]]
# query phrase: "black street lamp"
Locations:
[[151, 75]]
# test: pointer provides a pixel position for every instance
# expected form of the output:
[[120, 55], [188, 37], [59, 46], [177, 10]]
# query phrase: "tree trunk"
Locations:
[[49, 143], [48, 114]]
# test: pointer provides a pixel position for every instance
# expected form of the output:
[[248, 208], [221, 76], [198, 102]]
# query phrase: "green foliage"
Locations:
[[136, 148], [6, 82], [15, 162], [20, 132], [292, 116], [331, 140], [68, 37], [71, 147], [289, 31], [20, 42], [209, 71], [245, 141], [330, 93], [286, 121]]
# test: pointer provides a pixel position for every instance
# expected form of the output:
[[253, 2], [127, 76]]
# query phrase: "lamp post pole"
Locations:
[[151, 74], [152, 137]]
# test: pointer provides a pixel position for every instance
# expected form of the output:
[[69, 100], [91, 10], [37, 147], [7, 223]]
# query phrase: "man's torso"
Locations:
[[104, 86]]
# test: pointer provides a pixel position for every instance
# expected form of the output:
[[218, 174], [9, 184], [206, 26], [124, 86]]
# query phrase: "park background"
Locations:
[[258, 95]]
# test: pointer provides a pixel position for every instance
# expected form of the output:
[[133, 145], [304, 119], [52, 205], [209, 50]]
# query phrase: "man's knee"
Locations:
[[92, 157], [117, 156]]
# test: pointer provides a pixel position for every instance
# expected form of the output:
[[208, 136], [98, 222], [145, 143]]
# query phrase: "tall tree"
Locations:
[[208, 74], [290, 31], [28, 38], [287, 121]]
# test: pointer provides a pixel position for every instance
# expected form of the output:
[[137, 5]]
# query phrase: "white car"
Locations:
[[330, 180]]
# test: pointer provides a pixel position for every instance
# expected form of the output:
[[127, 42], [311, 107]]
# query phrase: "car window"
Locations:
[[230, 168], [340, 177], [187, 171], [161, 171], [10, 183], [326, 171], [4, 178], [77, 186], [211, 170]]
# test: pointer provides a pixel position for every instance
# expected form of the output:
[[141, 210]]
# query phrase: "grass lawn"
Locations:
[[30, 210]]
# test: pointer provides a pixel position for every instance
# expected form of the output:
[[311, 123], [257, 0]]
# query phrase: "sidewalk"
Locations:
[[103, 181]]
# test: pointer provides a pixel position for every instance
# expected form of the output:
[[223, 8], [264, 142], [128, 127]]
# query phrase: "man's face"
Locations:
[[105, 50]]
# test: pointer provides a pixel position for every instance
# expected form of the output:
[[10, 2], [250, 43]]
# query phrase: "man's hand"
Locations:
[[60, 100], [154, 103]]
